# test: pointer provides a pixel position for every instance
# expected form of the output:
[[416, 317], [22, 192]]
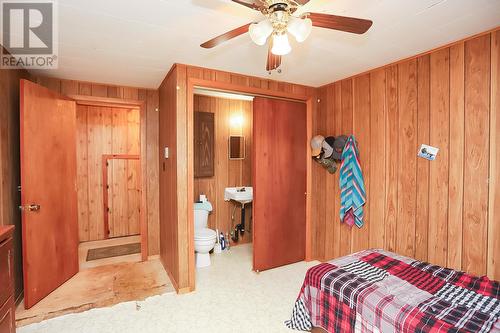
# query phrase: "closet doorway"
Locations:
[[108, 146], [81, 185]]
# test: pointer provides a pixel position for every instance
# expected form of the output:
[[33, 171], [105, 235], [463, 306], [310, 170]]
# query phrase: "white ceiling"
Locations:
[[135, 42]]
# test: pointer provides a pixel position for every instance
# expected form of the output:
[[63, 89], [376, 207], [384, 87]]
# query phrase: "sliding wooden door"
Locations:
[[280, 176], [48, 196]]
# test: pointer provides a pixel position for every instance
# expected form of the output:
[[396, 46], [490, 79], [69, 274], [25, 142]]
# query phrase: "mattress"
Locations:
[[380, 291]]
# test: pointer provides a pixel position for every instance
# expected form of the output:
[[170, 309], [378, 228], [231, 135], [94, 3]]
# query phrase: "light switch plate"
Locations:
[[428, 152]]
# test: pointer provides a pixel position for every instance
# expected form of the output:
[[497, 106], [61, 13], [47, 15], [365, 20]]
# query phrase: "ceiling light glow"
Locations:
[[281, 44]]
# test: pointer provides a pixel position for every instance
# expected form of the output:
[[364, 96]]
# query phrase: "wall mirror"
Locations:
[[236, 147]]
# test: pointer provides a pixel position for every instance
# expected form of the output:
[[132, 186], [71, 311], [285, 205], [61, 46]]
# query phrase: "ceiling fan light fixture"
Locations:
[[281, 45], [300, 28], [259, 32]]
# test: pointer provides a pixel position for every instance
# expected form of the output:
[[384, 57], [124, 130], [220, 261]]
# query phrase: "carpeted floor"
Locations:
[[229, 298]]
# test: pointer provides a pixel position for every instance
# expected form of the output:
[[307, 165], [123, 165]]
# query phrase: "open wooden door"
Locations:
[[280, 177], [48, 190]]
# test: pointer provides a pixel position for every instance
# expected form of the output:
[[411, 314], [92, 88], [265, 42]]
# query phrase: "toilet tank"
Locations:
[[200, 218], [201, 211]]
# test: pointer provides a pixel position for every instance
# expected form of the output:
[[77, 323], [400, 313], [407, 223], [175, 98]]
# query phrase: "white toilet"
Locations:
[[204, 238]]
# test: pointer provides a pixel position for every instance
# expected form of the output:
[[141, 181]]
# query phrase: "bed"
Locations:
[[379, 291]]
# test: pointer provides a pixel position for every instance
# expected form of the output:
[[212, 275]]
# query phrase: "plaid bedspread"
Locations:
[[379, 291]]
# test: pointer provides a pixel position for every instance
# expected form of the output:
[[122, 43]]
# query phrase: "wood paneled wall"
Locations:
[[9, 163], [105, 131], [124, 197], [171, 242], [175, 128], [149, 140], [228, 173], [447, 211]]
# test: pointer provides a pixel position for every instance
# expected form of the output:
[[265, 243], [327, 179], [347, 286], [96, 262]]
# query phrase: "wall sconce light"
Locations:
[[237, 121]]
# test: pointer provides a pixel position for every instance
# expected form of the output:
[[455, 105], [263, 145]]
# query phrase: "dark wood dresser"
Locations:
[[7, 304]]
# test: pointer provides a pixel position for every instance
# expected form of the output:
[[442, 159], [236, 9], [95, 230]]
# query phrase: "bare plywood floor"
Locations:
[[100, 287]]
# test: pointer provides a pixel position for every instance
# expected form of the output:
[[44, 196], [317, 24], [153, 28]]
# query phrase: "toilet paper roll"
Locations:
[[203, 198]]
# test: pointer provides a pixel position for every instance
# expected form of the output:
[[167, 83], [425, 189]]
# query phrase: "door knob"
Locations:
[[30, 208]]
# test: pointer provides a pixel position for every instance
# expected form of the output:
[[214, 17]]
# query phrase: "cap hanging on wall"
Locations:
[[338, 147], [316, 144], [328, 146]]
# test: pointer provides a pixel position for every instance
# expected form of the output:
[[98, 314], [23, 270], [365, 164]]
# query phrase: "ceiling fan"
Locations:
[[281, 21]]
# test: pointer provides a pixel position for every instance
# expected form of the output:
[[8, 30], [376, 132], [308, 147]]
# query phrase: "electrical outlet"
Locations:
[[166, 152]]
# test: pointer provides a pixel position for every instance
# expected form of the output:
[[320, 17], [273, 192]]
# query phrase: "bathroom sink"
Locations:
[[242, 194]]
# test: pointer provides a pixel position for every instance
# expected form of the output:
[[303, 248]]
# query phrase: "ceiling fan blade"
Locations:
[[302, 2], [225, 37], [342, 23], [255, 4], [273, 61]]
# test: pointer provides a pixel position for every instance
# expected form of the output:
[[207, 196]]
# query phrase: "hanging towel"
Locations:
[[352, 186]]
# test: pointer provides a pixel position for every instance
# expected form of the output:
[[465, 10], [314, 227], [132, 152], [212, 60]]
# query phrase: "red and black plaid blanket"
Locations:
[[379, 291]]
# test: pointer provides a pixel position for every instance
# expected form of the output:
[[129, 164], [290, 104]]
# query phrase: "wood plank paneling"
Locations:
[[347, 124], [82, 166], [423, 129], [319, 179], [445, 211], [407, 141], [124, 198], [361, 130], [477, 105], [330, 181], [228, 173], [169, 237], [99, 90], [103, 131], [150, 164], [337, 107], [99, 121], [456, 175], [392, 157], [493, 268], [184, 130], [377, 158], [439, 137]]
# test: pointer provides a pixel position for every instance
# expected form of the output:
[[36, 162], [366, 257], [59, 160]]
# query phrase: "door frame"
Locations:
[[141, 105], [193, 83]]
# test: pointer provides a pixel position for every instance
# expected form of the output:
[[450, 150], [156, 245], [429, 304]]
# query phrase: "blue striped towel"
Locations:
[[352, 186]]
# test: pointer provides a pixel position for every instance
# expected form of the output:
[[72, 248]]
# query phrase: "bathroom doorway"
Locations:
[[233, 131], [223, 162]]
